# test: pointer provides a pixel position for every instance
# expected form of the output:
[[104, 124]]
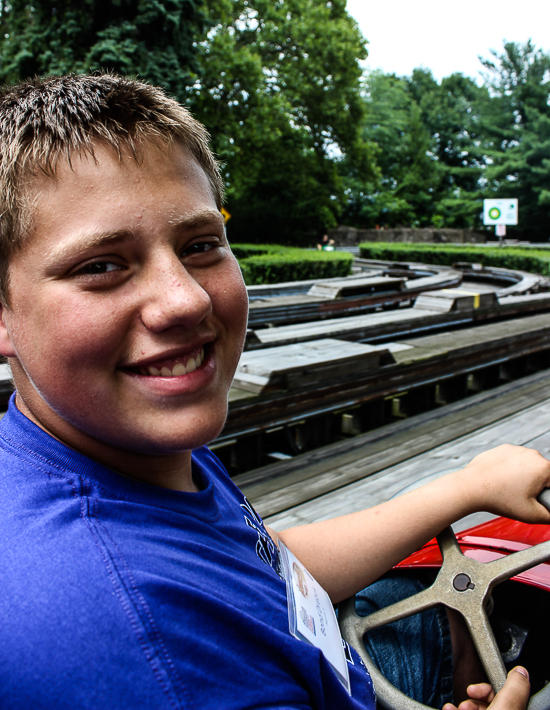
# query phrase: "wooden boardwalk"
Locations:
[[368, 469]]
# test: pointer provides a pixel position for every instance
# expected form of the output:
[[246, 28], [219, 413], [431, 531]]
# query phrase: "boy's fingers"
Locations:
[[513, 696], [515, 692], [467, 705], [473, 705], [481, 691]]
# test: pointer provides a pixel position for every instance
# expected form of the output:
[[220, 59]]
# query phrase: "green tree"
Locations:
[[517, 121], [519, 78], [408, 175], [452, 114], [154, 39], [523, 172], [279, 92]]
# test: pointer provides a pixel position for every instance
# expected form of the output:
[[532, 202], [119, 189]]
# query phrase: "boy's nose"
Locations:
[[173, 297]]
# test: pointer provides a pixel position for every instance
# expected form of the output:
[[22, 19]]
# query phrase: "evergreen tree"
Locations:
[[519, 78], [451, 113], [408, 177], [517, 121]]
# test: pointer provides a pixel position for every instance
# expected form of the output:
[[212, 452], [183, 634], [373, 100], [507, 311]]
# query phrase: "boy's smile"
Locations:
[[127, 311]]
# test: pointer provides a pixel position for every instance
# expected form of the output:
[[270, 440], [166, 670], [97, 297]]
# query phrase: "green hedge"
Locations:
[[271, 264], [532, 260], [243, 251]]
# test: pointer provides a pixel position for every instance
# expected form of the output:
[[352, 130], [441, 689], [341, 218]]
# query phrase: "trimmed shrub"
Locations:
[[532, 260], [271, 264], [243, 251]]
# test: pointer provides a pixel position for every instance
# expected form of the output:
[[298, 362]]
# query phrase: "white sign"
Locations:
[[500, 211]]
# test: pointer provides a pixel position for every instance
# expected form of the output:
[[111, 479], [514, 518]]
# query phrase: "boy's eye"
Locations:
[[99, 267], [198, 248]]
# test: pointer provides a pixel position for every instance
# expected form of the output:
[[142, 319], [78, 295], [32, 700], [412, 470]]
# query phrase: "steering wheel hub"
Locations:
[[462, 582]]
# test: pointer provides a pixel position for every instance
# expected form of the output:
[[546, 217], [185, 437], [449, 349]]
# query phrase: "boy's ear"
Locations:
[[6, 346]]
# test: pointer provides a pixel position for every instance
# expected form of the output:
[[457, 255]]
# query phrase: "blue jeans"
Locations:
[[415, 653]]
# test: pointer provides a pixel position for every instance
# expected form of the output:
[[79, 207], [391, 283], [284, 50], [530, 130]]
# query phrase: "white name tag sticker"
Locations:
[[311, 616]]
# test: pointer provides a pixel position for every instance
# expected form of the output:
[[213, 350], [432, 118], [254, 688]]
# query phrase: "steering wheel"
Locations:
[[463, 584]]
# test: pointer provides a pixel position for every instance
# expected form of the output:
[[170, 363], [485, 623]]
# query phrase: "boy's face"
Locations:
[[127, 308]]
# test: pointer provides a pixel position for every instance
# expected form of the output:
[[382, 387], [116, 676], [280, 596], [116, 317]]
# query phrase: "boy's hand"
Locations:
[[507, 480], [513, 696]]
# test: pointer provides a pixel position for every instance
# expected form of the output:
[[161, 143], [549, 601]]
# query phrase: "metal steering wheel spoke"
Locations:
[[511, 565], [400, 610], [487, 648], [450, 549]]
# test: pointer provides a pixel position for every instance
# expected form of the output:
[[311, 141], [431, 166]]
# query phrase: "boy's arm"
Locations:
[[346, 554]]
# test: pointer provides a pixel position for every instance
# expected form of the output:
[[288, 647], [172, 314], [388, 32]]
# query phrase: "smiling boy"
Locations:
[[134, 574]]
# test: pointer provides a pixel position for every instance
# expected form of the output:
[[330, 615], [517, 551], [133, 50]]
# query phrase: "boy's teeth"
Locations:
[[178, 369]]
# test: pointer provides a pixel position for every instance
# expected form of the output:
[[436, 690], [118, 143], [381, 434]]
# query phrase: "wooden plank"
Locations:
[[541, 444], [346, 288], [481, 336], [397, 323], [433, 281], [524, 299], [298, 366], [274, 302], [301, 308], [280, 486], [294, 287], [456, 299], [238, 395], [349, 327], [480, 287], [527, 427]]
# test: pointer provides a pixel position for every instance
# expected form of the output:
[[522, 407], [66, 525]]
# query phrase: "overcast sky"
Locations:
[[445, 36]]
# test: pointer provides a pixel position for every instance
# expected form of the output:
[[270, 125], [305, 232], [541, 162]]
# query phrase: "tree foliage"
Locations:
[[275, 82], [445, 146], [280, 94], [518, 128], [431, 151], [407, 173], [306, 138], [153, 39]]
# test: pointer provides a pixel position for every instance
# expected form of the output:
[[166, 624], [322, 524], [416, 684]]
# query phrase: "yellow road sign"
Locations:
[[226, 215]]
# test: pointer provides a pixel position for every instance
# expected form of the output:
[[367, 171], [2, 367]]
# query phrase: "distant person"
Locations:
[[326, 244], [323, 243]]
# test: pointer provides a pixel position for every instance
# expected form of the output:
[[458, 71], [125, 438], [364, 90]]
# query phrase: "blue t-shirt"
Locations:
[[118, 594]]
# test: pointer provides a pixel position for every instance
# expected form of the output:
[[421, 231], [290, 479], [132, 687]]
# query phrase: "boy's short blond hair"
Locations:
[[44, 120]]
